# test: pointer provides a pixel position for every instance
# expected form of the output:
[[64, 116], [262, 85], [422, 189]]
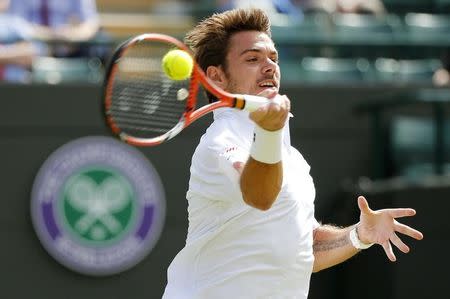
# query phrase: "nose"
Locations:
[[270, 67]]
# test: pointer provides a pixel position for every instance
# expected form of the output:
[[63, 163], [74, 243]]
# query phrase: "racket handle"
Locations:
[[252, 103]]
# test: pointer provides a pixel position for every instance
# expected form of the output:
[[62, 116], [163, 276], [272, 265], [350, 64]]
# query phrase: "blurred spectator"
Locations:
[[294, 9], [361, 6], [57, 20], [342, 6], [442, 76], [276, 9], [308, 6], [16, 51]]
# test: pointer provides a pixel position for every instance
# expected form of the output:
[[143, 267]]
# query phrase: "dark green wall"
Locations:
[[36, 120]]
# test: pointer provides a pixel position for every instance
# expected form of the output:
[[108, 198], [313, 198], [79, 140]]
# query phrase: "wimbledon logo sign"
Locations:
[[98, 206]]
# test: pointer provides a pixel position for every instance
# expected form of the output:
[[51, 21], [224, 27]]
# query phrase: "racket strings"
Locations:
[[144, 101]]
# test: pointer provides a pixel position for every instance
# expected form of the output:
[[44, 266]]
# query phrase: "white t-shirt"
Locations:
[[233, 250]]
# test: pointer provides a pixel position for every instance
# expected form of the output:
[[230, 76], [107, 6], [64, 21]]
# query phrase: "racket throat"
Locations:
[[239, 103]]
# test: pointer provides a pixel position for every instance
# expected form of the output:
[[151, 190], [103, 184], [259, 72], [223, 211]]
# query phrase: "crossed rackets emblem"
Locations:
[[98, 203]]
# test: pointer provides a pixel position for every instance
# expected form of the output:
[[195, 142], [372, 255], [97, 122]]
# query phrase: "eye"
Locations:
[[252, 59]]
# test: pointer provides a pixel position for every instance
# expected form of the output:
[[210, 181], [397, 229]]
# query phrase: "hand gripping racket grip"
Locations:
[[252, 103]]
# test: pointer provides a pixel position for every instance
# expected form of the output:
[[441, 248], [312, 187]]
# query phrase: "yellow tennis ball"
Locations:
[[177, 64]]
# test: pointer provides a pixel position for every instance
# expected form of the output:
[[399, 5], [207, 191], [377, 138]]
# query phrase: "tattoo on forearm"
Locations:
[[325, 245]]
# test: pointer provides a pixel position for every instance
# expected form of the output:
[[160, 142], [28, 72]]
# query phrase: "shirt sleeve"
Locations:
[[13, 29], [231, 161], [217, 164]]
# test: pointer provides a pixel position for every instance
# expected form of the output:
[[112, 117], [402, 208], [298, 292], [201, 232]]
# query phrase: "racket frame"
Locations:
[[198, 77]]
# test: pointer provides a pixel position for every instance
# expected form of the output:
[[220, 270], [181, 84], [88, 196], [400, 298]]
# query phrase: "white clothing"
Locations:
[[233, 250]]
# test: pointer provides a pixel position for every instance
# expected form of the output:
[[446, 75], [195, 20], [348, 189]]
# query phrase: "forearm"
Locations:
[[261, 183], [262, 176], [21, 53], [78, 32], [72, 32], [332, 246]]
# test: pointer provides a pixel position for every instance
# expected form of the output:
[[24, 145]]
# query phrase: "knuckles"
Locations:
[[272, 117]]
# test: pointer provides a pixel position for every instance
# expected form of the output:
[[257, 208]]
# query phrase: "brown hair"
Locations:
[[209, 40]]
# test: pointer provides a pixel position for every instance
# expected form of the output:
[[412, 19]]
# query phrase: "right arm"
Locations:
[[261, 182]]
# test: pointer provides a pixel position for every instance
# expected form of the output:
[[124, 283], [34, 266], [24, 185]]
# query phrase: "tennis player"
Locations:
[[252, 231]]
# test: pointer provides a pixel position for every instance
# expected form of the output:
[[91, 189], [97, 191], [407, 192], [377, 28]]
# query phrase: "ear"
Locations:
[[217, 75]]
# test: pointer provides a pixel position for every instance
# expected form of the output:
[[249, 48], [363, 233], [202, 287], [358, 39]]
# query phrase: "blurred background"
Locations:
[[369, 81]]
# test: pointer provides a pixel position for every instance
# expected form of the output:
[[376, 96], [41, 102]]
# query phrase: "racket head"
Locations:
[[142, 105]]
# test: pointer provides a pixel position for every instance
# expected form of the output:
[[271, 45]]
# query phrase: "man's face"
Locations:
[[252, 65]]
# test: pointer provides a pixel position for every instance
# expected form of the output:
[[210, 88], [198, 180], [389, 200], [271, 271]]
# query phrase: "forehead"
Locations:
[[244, 40]]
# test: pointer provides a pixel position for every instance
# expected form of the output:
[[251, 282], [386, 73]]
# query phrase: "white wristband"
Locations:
[[266, 145], [356, 242]]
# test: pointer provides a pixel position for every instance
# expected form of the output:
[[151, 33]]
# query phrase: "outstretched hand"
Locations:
[[381, 227]]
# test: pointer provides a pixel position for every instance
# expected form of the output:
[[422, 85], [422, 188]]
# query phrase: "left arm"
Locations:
[[332, 245]]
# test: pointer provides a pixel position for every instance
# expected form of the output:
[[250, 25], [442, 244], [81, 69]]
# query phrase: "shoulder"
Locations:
[[230, 128], [227, 132]]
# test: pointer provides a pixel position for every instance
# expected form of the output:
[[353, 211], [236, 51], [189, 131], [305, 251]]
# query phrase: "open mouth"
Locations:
[[268, 84]]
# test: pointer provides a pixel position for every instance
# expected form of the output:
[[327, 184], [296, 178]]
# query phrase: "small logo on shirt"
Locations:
[[98, 206]]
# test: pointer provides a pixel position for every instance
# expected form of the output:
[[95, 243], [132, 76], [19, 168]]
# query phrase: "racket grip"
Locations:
[[252, 103]]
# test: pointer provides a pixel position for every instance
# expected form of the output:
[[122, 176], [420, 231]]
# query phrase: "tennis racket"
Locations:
[[144, 107]]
